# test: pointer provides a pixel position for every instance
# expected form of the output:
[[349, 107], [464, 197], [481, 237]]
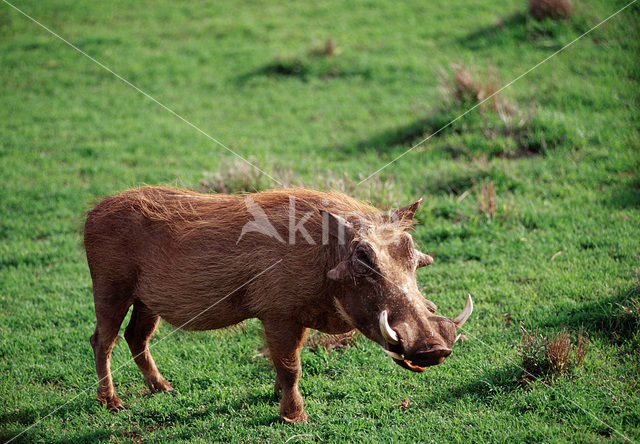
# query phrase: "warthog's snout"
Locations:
[[421, 360], [421, 345]]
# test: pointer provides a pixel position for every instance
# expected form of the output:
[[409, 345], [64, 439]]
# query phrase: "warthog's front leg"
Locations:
[[285, 339]]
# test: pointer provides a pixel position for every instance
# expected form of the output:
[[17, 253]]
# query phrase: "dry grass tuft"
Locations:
[[405, 404], [486, 195], [318, 340], [580, 351], [555, 9], [468, 87], [237, 176], [546, 357], [558, 352], [382, 192], [521, 131], [329, 49], [532, 353]]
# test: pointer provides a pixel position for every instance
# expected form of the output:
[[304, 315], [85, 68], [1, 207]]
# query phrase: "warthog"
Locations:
[[293, 258]]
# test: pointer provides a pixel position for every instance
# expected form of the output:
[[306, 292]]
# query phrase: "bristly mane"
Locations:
[[186, 210]]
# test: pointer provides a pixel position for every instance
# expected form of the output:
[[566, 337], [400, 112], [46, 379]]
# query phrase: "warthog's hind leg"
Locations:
[[285, 339], [110, 313], [138, 333]]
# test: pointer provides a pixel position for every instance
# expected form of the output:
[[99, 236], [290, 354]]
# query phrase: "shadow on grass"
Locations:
[[482, 132], [403, 136], [28, 416], [304, 69], [258, 400], [28, 419], [96, 436], [626, 196], [295, 68], [134, 432], [511, 28], [615, 319], [492, 383], [519, 27]]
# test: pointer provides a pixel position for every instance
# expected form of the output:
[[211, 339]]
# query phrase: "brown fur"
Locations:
[[172, 254]]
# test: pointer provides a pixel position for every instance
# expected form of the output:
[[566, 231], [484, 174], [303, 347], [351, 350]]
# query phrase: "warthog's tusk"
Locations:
[[457, 337], [387, 332], [466, 312], [394, 355]]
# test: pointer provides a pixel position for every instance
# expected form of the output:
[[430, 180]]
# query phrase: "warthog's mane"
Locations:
[[188, 212]]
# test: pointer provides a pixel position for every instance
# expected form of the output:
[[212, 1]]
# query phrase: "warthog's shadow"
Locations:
[[27, 420], [486, 386], [259, 399]]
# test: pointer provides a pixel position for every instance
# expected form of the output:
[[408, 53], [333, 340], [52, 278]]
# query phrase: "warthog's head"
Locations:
[[380, 294]]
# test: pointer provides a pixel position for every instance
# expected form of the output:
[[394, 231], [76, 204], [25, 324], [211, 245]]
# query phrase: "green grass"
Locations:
[[246, 73]]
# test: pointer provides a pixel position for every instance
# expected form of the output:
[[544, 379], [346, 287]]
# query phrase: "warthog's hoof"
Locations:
[[113, 404], [159, 385], [117, 408], [300, 418]]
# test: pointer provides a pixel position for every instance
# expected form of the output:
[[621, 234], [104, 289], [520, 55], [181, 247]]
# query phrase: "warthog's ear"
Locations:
[[423, 259], [406, 213], [335, 226]]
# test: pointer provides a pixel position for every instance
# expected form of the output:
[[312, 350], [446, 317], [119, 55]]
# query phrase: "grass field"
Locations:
[[554, 246]]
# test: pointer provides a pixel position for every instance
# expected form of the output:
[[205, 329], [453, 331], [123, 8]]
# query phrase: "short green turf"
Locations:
[[249, 74]]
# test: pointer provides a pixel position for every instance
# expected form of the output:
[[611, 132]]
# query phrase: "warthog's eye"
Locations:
[[363, 262]]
